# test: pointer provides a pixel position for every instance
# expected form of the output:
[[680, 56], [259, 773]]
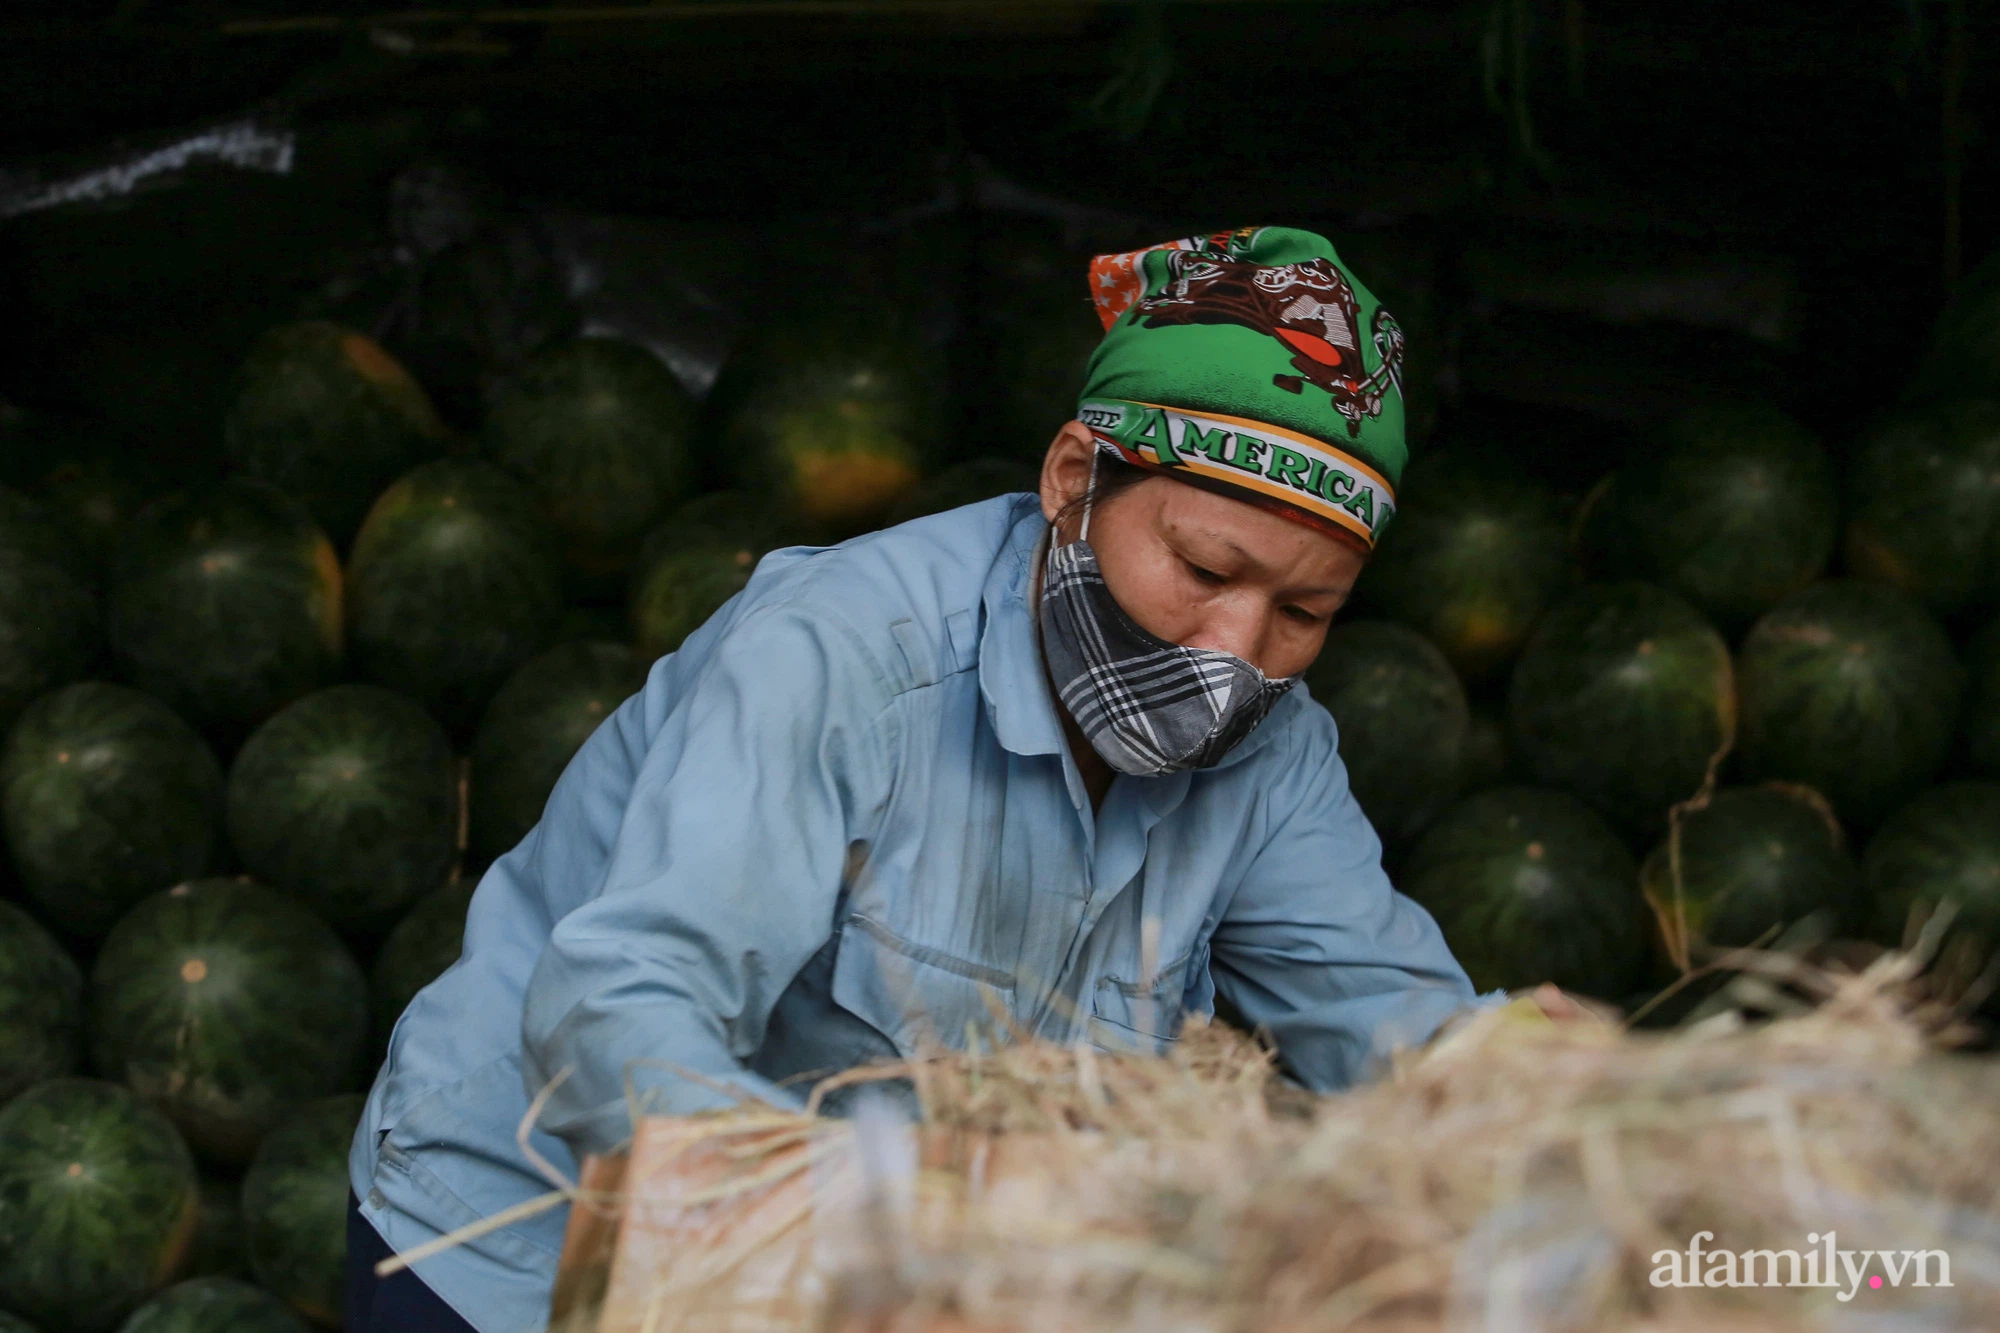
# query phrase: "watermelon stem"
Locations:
[[1674, 929], [1722, 963]]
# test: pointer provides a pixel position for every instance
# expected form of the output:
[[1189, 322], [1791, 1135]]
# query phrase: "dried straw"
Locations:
[[1511, 1176]]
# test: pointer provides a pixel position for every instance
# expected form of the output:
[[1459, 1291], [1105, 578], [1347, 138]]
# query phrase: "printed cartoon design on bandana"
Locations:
[[1118, 281], [1308, 306], [1253, 362]]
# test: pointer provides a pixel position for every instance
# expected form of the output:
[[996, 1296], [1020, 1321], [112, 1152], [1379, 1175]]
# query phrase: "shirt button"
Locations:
[[375, 1199]]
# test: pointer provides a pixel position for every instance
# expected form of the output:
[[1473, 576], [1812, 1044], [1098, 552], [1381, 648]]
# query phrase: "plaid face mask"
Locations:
[[1148, 706]]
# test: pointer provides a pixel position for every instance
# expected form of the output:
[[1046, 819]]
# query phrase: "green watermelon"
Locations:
[[417, 952], [834, 423], [1474, 556], [1982, 704], [1751, 860], [226, 604], [675, 595], [1924, 492], [1531, 885], [1852, 689], [600, 429], [107, 797], [96, 497], [1624, 696], [1944, 845], [454, 584], [328, 416], [535, 724], [41, 1005], [51, 627], [699, 558], [1403, 722], [97, 1204], [720, 518], [226, 1003], [967, 483], [488, 295], [1735, 509], [295, 1199], [348, 801], [219, 1248], [213, 1305]]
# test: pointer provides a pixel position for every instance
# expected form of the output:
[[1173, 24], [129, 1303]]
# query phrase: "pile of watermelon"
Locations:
[[1733, 695], [261, 731], [264, 730]]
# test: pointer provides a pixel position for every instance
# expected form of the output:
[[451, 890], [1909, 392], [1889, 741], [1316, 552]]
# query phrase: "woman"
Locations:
[[1042, 751]]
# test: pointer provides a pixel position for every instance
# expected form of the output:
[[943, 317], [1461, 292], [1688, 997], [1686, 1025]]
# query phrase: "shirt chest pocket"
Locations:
[[917, 996], [1133, 1016]]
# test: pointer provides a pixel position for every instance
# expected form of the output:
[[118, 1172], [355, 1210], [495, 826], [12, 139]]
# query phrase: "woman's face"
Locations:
[[1203, 570]]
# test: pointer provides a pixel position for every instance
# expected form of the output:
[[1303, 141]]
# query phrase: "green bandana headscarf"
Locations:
[[1252, 361]]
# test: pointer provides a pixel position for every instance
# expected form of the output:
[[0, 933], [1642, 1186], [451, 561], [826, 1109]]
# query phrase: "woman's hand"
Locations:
[[1528, 1010], [1560, 1006]]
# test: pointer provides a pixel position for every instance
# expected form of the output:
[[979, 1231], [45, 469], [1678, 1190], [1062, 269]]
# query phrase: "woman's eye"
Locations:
[[1303, 616], [1205, 575]]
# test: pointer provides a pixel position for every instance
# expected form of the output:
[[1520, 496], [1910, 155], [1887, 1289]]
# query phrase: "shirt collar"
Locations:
[[1011, 673]]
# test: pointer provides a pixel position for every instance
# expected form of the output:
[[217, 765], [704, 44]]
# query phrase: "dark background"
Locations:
[[1584, 211]]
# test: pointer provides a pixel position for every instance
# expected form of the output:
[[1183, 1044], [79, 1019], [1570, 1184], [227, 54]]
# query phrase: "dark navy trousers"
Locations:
[[397, 1304]]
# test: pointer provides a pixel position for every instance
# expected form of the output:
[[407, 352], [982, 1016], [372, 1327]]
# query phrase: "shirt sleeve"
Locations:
[[720, 886], [1317, 947]]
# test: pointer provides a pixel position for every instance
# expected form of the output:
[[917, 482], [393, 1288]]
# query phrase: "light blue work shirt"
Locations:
[[839, 824]]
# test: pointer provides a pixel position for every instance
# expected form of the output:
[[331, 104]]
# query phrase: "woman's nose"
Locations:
[[1241, 631]]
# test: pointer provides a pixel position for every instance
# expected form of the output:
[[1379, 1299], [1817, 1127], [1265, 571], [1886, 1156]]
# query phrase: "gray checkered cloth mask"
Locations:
[[1147, 706]]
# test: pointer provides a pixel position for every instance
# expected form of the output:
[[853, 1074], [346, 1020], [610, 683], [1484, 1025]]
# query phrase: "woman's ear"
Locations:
[[1066, 468]]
